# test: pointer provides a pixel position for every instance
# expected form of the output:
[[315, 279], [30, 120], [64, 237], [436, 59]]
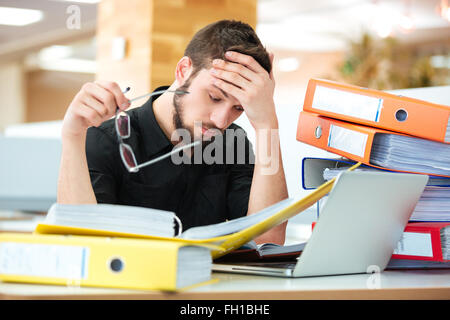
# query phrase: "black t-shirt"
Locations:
[[199, 193]]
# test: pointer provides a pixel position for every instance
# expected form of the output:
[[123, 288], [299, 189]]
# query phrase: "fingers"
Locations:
[[105, 97], [90, 116], [245, 60], [231, 89], [93, 104], [98, 106], [242, 78], [232, 77], [98, 102], [244, 72], [113, 87]]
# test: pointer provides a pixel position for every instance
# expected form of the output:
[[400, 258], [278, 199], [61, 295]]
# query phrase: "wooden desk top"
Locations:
[[411, 284]]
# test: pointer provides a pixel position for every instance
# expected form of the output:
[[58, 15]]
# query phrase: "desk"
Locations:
[[411, 284]]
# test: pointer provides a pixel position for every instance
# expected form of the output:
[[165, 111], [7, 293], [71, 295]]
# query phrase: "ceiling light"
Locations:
[[55, 52], [19, 17], [64, 65]]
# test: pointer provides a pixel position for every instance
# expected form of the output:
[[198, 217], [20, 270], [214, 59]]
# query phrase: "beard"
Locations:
[[178, 121], [178, 108]]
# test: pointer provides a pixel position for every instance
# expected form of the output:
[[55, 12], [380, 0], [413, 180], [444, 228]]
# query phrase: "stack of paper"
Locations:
[[445, 242], [416, 264], [194, 266], [433, 205], [413, 154], [118, 218], [330, 173]]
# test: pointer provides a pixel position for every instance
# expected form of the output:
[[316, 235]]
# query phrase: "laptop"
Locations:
[[357, 231]]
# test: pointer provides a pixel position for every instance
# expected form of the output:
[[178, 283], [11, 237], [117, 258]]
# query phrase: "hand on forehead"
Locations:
[[237, 61], [242, 77]]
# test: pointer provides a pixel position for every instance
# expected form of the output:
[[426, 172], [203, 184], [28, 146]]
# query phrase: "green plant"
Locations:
[[387, 64]]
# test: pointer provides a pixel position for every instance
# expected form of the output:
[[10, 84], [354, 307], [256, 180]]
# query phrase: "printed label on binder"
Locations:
[[347, 103], [415, 244], [40, 260], [447, 133], [347, 140]]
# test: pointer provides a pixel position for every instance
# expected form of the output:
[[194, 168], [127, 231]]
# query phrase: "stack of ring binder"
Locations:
[[364, 125], [384, 132], [377, 128]]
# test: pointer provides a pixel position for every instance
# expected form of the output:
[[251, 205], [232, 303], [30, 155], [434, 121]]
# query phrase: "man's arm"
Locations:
[[253, 87], [269, 182], [95, 103], [74, 183]]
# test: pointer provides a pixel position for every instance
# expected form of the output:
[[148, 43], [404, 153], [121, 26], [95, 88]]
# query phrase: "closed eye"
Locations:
[[215, 99]]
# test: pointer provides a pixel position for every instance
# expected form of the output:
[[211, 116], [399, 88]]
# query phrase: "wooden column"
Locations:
[[12, 91], [156, 34], [132, 20]]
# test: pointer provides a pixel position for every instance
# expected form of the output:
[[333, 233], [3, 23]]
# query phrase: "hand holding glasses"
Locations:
[[123, 129]]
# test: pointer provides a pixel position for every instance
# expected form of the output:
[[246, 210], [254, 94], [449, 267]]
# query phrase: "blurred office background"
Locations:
[[49, 48]]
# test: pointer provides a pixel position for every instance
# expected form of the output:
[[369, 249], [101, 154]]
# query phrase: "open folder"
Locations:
[[223, 244]]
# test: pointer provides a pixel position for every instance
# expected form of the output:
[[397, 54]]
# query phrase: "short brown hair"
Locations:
[[211, 42]]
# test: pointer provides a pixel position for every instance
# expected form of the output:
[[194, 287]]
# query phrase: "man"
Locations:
[[227, 72]]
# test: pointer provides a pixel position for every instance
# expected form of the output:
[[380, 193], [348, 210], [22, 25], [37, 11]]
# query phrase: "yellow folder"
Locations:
[[102, 262], [223, 244]]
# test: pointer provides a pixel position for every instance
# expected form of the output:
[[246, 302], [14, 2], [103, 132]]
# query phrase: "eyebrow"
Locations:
[[223, 92]]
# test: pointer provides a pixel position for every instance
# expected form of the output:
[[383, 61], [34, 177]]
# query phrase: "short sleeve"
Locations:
[[101, 154], [240, 176]]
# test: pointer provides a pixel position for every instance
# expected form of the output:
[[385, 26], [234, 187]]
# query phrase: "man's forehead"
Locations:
[[223, 92], [227, 96], [208, 79]]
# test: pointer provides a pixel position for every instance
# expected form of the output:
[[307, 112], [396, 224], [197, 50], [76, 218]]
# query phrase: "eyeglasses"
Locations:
[[123, 129]]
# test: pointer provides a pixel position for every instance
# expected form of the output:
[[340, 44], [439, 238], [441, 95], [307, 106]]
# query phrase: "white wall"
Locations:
[[292, 150]]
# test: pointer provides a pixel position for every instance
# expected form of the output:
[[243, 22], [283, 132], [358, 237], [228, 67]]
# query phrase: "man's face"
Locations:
[[206, 110]]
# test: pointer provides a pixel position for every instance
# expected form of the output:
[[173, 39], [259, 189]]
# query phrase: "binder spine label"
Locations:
[[347, 140], [415, 244], [347, 103], [42, 260]]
